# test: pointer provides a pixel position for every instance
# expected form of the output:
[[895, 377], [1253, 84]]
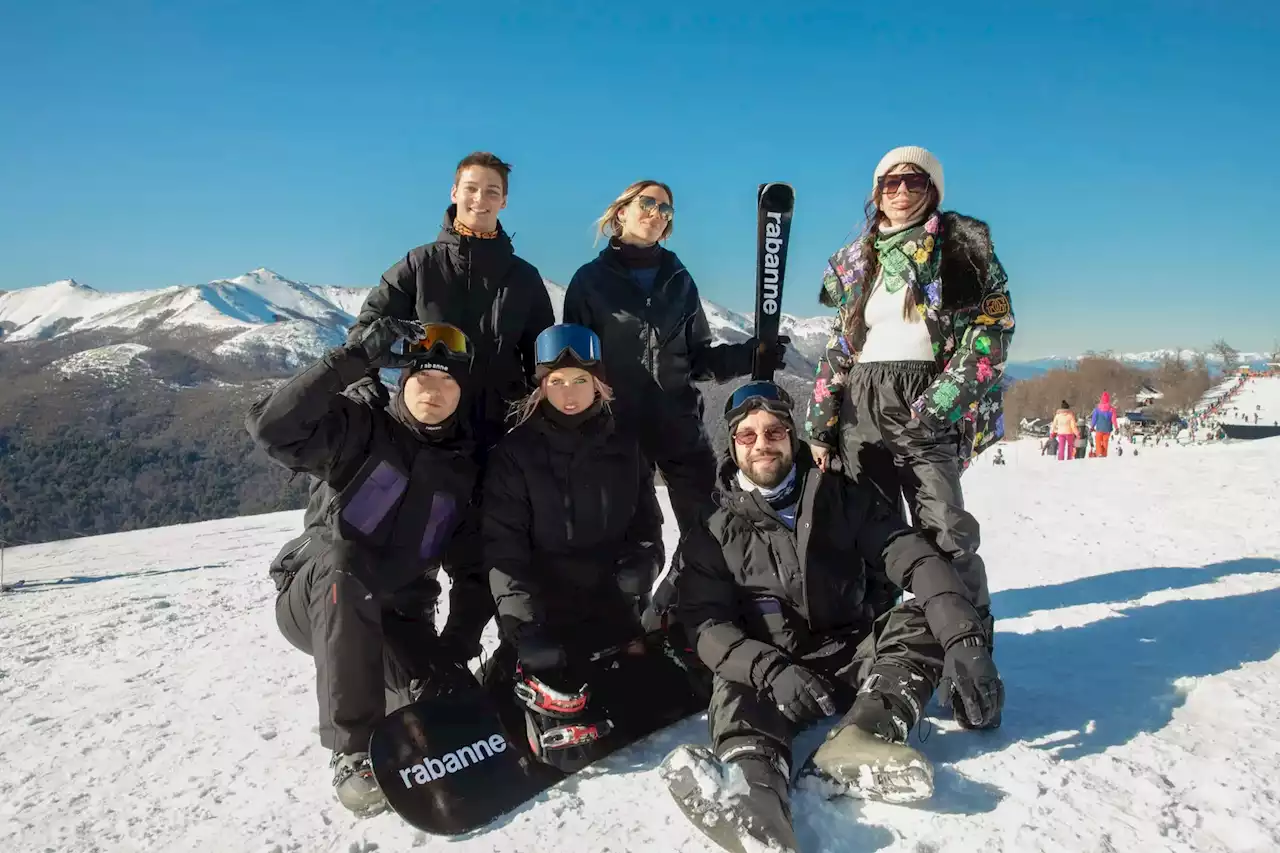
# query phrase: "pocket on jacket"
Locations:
[[370, 499]]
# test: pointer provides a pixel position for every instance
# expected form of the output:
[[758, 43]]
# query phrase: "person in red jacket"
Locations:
[[1103, 421]]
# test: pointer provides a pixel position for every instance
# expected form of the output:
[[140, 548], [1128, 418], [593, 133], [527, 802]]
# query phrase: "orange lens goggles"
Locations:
[[450, 337]]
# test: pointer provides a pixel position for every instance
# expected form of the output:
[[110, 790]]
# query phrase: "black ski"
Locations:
[[775, 204]]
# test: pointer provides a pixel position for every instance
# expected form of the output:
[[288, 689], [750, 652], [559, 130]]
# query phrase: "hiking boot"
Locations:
[[354, 784]]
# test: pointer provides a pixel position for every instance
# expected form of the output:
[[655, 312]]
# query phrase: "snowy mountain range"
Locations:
[[259, 318]]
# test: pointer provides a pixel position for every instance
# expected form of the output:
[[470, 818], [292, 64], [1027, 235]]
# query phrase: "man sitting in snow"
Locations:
[[778, 591], [357, 589]]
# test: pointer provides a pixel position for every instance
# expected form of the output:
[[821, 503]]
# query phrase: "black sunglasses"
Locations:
[[913, 181], [648, 204]]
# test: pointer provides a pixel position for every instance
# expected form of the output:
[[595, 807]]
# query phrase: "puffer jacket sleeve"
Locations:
[[721, 362], [307, 425], [984, 333], [506, 530], [841, 282], [708, 610], [541, 316], [395, 296]]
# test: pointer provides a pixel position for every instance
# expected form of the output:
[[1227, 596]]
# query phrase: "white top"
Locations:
[[890, 337]]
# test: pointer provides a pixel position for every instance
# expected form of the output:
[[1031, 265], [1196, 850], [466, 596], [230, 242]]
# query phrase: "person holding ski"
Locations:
[[1103, 421], [643, 303], [472, 278], [357, 589], [1065, 429], [908, 391], [573, 542], [776, 591]]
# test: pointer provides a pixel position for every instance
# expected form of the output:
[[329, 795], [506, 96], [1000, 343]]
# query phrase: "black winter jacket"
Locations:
[[388, 498], [564, 511], [750, 587], [656, 344], [483, 288]]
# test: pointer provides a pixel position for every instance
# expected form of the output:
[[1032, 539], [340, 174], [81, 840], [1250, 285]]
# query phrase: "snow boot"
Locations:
[[354, 784], [866, 755], [741, 802]]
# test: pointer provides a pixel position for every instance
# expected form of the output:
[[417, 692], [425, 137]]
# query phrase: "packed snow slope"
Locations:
[[148, 703]]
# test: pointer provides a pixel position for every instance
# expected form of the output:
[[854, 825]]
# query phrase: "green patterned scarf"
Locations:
[[907, 256]]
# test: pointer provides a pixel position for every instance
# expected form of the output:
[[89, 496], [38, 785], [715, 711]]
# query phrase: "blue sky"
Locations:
[[1126, 156]]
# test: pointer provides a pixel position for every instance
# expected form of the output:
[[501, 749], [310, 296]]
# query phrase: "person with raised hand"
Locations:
[[391, 484]]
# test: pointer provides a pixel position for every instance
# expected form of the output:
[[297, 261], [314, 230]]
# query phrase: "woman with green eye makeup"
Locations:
[[643, 303]]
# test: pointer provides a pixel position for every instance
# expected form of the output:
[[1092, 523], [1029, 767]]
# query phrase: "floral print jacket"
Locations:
[[969, 316]]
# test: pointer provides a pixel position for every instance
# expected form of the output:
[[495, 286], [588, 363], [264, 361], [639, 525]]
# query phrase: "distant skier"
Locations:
[[643, 303], [573, 539], [1103, 421], [357, 589], [909, 389], [774, 590], [471, 277], [1065, 430], [998, 459]]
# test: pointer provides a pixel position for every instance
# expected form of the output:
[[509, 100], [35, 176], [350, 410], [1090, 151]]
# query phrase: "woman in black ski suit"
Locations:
[[642, 302], [573, 541]]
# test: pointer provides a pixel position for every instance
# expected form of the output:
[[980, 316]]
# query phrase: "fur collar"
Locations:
[[966, 257]]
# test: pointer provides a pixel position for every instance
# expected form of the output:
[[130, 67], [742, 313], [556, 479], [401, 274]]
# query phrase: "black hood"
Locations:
[[668, 265]]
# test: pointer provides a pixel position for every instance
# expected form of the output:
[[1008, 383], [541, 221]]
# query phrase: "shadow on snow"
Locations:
[[76, 580]]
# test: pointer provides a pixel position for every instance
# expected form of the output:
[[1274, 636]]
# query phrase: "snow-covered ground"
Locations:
[[1259, 395], [148, 703]]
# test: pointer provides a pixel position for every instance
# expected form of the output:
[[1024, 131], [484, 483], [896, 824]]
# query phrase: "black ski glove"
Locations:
[[772, 358], [381, 335], [801, 696], [454, 647], [370, 391], [971, 685], [537, 652]]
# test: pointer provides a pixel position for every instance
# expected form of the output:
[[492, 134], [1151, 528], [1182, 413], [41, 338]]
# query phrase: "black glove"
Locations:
[[538, 653], [634, 576], [380, 335], [971, 685], [370, 391], [454, 647], [774, 358], [801, 696]]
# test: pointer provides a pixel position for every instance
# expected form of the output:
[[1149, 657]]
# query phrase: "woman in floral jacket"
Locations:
[[909, 389]]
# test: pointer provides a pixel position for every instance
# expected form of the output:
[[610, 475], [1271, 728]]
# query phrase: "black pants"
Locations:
[[899, 648], [879, 447], [366, 651]]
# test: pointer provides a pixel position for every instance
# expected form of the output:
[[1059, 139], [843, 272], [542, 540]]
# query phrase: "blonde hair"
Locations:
[[522, 410], [607, 224]]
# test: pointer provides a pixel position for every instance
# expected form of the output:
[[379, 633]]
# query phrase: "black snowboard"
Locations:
[[776, 202], [452, 764]]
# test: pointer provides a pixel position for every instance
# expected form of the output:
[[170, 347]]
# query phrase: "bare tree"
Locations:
[[1200, 362], [1230, 357]]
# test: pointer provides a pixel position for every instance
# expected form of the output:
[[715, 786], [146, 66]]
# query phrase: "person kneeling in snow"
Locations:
[[573, 539], [776, 592], [357, 589]]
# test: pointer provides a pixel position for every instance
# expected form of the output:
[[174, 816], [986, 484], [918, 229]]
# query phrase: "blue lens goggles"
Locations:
[[579, 341], [766, 392]]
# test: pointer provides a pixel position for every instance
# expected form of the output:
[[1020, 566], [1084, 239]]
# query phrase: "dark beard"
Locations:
[[775, 476]]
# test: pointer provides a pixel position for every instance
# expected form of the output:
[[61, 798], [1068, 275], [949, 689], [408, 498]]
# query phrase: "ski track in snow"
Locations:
[[148, 702]]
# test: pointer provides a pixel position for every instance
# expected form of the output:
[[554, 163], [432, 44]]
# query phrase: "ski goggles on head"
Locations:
[[570, 339], [440, 339], [764, 394]]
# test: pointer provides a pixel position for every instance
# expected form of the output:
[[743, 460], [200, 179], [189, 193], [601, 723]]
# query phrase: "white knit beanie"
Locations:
[[916, 156]]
